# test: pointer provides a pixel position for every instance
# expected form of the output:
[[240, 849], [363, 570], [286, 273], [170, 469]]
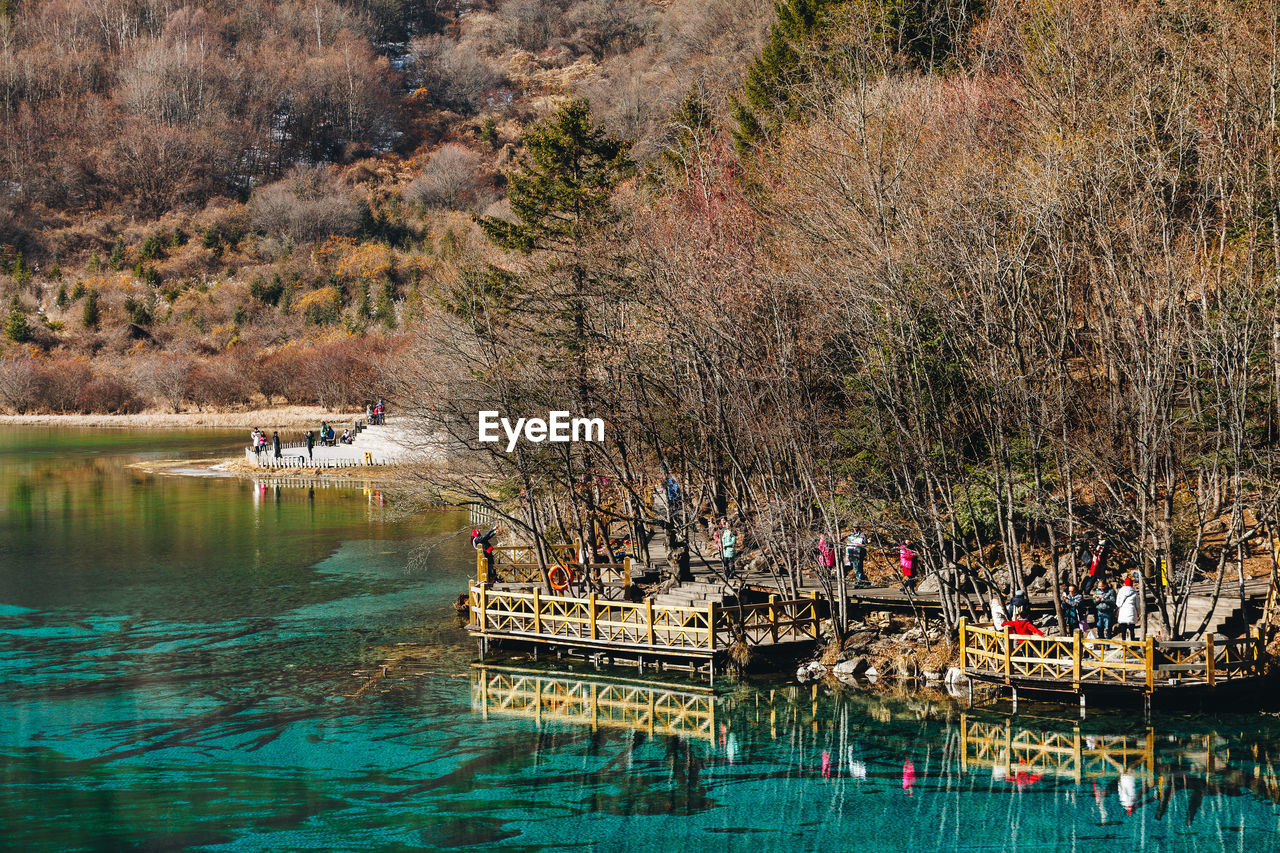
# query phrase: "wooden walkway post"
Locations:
[[711, 625], [963, 646], [773, 618], [537, 612], [1209, 659], [482, 566], [1075, 658], [591, 613], [1008, 662], [648, 616], [1151, 661]]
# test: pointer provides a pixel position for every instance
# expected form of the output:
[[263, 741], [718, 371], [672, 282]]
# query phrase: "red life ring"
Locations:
[[559, 571]]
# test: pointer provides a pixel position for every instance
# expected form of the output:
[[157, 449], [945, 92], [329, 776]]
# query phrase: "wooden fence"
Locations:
[[700, 631], [598, 704], [519, 565], [1077, 661]]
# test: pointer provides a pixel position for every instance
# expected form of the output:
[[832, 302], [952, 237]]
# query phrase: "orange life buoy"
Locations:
[[558, 572]]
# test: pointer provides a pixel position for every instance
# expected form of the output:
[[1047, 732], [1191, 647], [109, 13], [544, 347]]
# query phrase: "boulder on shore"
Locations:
[[851, 668]]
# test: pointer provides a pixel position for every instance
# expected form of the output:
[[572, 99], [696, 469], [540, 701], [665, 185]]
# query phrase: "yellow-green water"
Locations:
[[195, 663]]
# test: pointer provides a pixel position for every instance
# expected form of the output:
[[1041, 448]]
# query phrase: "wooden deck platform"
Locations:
[[1078, 665], [632, 629]]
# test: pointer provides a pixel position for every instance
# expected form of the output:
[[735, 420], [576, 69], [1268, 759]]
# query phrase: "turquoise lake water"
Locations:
[[198, 663]]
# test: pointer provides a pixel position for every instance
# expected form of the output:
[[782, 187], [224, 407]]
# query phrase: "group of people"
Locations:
[[1115, 610], [258, 441], [375, 414]]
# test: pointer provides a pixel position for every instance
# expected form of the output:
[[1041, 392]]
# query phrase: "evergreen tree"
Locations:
[[780, 65], [116, 260], [95, 262], [91, 310], [489, 132], [20, 271], [16, 327], [61, 299], [363, 312], [386, 310]]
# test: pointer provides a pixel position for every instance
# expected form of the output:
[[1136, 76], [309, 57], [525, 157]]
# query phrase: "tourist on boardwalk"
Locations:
[[906, 561], [728, 549], [1020, 605], [1098, 568], [275, 444], [1104, 605], [1073, 609], [999, 615], [311, 443], [826, 557], [255, 441], [1127, 611], [855, 555]]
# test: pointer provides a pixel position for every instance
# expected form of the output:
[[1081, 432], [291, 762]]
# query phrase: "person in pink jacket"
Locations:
[[906, 560], [826, 556]]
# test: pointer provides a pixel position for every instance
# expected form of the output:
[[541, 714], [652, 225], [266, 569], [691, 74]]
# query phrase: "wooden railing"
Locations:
[[639, 625], [545, 698], [1076, 660], [529, 572]]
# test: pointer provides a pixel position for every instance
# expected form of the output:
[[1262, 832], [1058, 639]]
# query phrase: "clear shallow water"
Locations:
[[197, 663]]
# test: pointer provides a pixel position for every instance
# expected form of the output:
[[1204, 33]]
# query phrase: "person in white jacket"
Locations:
[[1127, 611]]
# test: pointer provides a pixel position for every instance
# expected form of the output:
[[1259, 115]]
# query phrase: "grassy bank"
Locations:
[[288, 417]]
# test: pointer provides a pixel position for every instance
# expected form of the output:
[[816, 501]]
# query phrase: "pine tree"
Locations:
[[16, 327], [116, 260], [386, 310], [95, 262], [20, 271], [61, 299], [779, 66], [91, 310]]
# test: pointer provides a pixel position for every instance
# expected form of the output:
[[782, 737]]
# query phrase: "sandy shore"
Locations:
[[243, 469], [283, 417]]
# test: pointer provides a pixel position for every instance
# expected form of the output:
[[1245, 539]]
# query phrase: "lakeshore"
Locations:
[[271, 417]]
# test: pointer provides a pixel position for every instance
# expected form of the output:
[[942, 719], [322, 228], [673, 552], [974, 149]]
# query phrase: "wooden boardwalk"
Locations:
[[1079, 665], [508, 602]]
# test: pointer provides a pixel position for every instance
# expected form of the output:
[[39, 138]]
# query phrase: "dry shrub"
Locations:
[[450, 180], [309, 205], [108, 394], [454, 75], [222, 381]]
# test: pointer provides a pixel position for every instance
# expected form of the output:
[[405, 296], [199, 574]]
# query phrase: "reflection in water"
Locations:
[[804, 746]]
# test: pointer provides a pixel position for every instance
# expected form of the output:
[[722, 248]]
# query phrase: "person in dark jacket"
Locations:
[[311, 443], [275, 444], [1104, 604], [1019, 605], [1073, 609]]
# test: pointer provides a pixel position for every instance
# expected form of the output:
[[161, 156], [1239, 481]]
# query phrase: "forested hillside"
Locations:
[[992, 276], [203, 203]]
